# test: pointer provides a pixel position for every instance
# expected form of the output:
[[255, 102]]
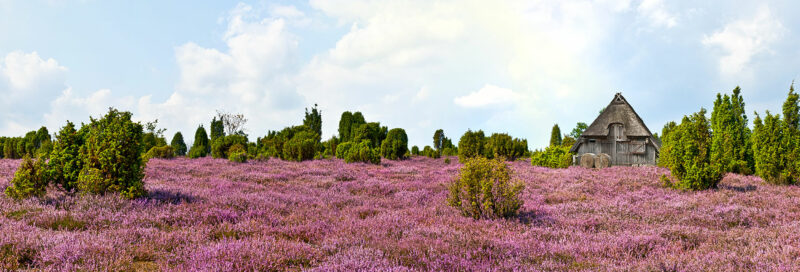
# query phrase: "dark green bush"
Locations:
[[484, 190], [769, 149], [302, 146], [372, 131], [160, 152], [415, 150], [201, 145], [363, 152], [349, 122], [330, 147], [730, 144], [687, 153], [30, 180], [553, 157], [66, 162], [502, 145], [217, 128], [178, 144], [237, 153], [112, 156], [343, 149], [220, 146], [449, 151], [555, 136], [471, 145], [430, 152], [395, 146]]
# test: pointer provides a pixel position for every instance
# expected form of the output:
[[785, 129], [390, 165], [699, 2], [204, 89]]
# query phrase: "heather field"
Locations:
[[325, 215]]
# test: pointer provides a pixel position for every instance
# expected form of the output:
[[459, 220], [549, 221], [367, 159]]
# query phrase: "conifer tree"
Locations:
[[555, 136]]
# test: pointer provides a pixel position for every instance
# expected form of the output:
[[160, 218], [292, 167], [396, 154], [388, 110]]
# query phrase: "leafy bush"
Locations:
[[178, 144], [220, 146], [363, 152], [415, 150], [330, 147], [484, 190], [30, 180], [201, 146], [161, 152], [687, 153], [112, 156], [553, 157], [396, 144], [302, 146], [471, 145], [501, 145], [430, 152], [65, 162], [349, 122], [372, 131], [237, 153], [217, 128], [450, 151], [343, 149]]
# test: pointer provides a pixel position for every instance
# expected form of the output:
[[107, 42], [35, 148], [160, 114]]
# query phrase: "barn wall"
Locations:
[[620, 152]]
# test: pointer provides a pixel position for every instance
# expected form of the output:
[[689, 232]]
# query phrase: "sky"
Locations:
[[516, 67]]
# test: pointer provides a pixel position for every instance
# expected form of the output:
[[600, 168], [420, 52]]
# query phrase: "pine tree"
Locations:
[[730, 150], [313, 120], [178, 144], [555, 136]]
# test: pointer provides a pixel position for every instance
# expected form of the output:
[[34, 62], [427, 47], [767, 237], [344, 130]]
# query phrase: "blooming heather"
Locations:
[[326, 215]]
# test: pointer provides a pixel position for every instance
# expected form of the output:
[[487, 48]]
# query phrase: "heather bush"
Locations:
[[178, 144], [161, 152], [237, 153], [395, 146], [201, 146], [302, 146], [363, 152], [220, 146], [471, 145], [553, 156], [112, 156], [30, 180], [686, 152], [66, 162], [484, 189]]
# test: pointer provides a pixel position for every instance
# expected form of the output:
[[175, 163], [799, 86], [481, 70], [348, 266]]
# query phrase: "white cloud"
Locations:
[[742, 40], [488, 96], [656, 13], [27, 83]]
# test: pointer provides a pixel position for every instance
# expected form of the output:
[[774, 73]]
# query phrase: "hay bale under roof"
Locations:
[[587, 160], [602, 160]]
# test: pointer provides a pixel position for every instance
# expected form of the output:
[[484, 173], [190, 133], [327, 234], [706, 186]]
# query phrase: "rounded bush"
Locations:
[[395, 146], [178, 144], [471, 145], [484, 190], [363, 152], [161, 152], [556, 156], [30, 180], [237, 153]]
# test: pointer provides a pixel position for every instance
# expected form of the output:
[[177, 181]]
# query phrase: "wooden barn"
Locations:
[[618, 136]]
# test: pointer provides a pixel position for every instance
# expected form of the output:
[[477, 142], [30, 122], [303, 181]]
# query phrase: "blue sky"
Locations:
[[501, 66]]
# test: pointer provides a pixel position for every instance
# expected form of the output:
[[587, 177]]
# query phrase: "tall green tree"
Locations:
[[555, 136], [438, 140], [313, 120], [178, 144], [791, 136], [576, 132], [201, 146], [768, 148], [217, 128], [687, 153], [344, 126], [730, 147], [65, 161]]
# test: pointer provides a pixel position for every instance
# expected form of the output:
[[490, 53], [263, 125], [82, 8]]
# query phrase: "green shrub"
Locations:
[[237, 153], [178, 144], [555, 136], [65, 162], [471, 145], [501, 145], [769, 149], [220, 146], [363, 152], [553, 157], [349, 122], [484, 190], [372, 131], [201, 146], [395, 146], [343, 149], [30, 180], [111, 156], [302, 146], [161, 152], [430, 152], [686, 152], [415, 150], [731, 148], [450, 151]]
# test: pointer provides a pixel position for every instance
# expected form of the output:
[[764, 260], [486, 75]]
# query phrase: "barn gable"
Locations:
[[618, 130]]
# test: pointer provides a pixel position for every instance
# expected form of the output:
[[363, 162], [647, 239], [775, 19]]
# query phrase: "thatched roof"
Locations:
[[618, 111]]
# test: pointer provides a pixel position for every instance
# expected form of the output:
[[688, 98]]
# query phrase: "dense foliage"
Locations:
[[302, 146], [237, 153], [415, 150], [484, 189], [471, 145], [220, 146], [429, 152], [160, 152], [201, 146], [395, 146], [730, 144], [348, 122], [552, 156], [362, 152], [111, 156], [65, 162], [30, 179], [576, 132], [501, 145], [178, 144], [769, 149], [313, 120], [686, 151], [555, 136]]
